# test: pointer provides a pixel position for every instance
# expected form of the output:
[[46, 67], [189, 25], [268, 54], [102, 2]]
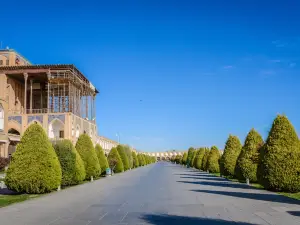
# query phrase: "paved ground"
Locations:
[[158, 194]]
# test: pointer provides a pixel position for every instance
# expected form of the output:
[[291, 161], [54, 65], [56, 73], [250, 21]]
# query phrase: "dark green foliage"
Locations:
[[34, 167], [190, 156], [102, 159], [229, 158], [86, 150], [173, 158], [247, 162], [115, 161], [123, 156], [205, 159], [199, 158], [213, 160], [280, 158], [184, 158], [72, 166], [3, 163], [194, 159], [135, 160], [141, 159], [178, 159], [129, 156]]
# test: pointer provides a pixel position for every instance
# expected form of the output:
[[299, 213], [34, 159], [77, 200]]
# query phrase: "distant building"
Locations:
[[58, 97]]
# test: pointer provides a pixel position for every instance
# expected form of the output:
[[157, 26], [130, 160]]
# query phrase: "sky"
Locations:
[[171, 74]]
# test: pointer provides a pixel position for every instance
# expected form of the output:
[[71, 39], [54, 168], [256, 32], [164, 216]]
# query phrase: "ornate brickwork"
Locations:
[[15, 118], [38, 118], [60, 117]]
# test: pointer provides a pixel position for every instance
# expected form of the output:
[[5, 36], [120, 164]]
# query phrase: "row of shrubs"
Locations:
[[274, 163], [38, 166]]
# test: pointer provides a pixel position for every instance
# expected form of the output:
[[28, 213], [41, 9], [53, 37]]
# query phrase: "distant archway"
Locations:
[[13, 131], [56, 129]]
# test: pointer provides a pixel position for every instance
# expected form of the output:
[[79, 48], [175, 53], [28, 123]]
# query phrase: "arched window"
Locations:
[[1, 118]]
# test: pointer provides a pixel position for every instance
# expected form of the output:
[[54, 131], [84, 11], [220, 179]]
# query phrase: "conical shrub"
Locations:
[[199, 158], [135, 160], [205, 159], [232, 151], [115, 161], [280, 157], [141, 160], [247, 162], [194, 158], [86, 150], [34, 167], [123, 156], [190, 156], [129, 156], [178, 159], [101, 158], [72, 166], [213, 160], [184, 158]]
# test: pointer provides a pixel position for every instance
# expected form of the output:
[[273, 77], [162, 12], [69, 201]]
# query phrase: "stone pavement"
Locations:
[[158, 194]]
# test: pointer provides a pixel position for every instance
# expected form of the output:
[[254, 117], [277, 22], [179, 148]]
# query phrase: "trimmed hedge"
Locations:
[[194, 158], [72, 166], [115, 161], [129, 156], [199, 158], [178, 159], [247, 162], [190, 156], [123, 156], [87, 152], [184, 158], [280, 158], [135, 160], [34, 167], [213, 160], [205, 159], [102, 159], [229, 158], [141, 160]]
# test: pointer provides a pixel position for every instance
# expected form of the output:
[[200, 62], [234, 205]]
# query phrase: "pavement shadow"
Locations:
[[197, 174], [219, 183], [184, 220], [6, 191], [294, 213], [271, 197], [204, 178]]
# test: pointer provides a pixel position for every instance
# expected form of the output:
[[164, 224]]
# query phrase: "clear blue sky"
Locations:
[[203, 69]]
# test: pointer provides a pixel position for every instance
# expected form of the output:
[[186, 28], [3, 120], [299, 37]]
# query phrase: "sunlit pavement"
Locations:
[[162, 193]]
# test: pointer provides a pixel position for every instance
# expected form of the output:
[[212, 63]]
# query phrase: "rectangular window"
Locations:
[[7, 62], [1, 62], [61, 134]]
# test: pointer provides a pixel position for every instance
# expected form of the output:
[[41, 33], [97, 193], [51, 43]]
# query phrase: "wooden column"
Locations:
[[48, 97], [25, 93], [31, 95]]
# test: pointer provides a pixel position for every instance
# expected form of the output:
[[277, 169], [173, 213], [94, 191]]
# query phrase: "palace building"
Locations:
[[58, 97]]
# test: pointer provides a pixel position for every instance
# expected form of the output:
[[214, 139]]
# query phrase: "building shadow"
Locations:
[[294, 213], [205, 178], [184, 220], [219, 183], [270, 197]]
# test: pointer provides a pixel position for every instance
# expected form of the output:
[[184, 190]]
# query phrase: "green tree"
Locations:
[[34, 167], [135, 160], [173, 158], [123, 156], [86, 150], [194, 158], [228, 160], [102, 159], [205, 159], [184, 158], [280, 157], [141, 159], [73, 171], [199, 158], [213, 160], [129, 155], [190, 156], [178, 159], [115, 161], [247, 162]]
